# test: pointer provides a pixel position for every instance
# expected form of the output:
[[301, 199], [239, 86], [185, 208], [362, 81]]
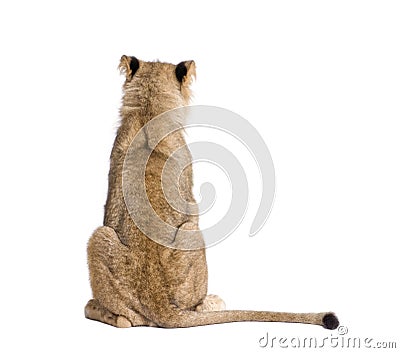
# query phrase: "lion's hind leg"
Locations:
[[95, 311], [211, 302], [113, 301]]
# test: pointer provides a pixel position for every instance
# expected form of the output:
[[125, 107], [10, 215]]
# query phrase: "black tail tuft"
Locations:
[[330, 321]]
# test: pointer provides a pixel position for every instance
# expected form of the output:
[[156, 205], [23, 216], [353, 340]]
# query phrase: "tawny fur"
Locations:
[[136, 281]]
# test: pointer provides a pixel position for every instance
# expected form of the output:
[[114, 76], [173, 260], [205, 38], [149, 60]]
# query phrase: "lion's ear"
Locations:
[[185, 71], [128, 66]]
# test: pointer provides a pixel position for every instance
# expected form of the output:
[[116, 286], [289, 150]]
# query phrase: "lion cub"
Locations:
[[136, 281]]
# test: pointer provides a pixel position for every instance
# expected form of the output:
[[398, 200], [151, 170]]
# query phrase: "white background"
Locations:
[[320, 80]]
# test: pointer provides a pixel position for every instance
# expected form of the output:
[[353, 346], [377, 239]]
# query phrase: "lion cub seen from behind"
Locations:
[[136, 281]]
